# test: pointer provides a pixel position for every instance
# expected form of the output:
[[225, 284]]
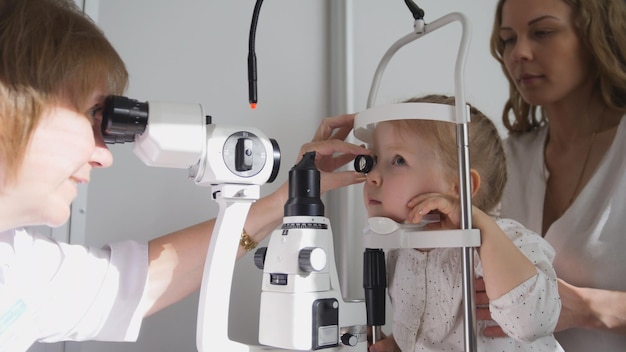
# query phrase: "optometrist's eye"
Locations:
[[95, 112], [364, 163]]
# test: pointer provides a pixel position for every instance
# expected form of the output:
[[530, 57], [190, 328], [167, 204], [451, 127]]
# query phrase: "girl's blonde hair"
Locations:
[[486, 152], [50, 54]]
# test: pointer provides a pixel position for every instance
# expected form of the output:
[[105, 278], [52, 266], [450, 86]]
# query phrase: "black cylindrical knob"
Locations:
[[374, 285], [259, 257], [349, 339]]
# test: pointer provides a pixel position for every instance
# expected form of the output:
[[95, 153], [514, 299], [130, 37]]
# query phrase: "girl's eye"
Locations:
[[398, 161]]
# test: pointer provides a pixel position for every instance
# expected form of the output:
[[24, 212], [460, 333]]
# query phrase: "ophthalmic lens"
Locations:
[[363, 163], [123, 119]]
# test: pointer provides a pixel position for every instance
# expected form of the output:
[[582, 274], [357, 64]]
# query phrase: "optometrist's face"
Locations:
[[64, 148], [406, 166], [543, 54]]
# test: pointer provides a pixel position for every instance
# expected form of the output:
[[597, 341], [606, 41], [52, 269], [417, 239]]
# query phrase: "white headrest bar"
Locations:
[[365, 121]]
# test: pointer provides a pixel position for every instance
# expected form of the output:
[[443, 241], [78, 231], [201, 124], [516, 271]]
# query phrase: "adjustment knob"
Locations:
[[312, 259], [259, 257], [349, 339], [244, 154]]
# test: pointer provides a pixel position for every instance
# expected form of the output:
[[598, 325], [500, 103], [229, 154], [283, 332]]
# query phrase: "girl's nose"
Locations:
[[373, 177]]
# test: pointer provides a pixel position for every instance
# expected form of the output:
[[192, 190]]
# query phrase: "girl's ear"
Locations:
[[474, 179]]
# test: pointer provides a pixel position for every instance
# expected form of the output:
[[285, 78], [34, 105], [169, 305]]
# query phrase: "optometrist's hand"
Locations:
[[333, 152]]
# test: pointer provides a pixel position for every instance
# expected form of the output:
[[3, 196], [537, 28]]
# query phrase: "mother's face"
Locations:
[[542, 52]]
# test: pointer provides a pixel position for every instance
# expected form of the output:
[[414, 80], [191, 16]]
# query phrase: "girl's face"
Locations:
[[542, 52], [65, 146], [406, 166]]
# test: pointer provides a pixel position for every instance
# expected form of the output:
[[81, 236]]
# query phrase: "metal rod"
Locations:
[[465, 193]]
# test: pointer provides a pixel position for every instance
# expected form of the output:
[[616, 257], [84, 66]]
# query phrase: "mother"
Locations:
[[565, 61]]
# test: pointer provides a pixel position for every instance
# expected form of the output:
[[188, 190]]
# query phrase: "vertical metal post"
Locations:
[[462, 118], [465, 194]]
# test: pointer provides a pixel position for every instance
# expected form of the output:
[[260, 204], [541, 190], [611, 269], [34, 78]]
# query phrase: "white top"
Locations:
[[426, 292], [589, 239], [52, 291]]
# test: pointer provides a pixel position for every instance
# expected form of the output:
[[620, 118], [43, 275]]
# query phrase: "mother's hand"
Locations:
[[482, 310], [332, 152], [386, 344]]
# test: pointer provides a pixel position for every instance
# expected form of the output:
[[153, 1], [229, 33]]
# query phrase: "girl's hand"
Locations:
[[445, 205]]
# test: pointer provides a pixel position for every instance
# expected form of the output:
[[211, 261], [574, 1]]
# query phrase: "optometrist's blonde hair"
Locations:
[[601, 27], [50, 53], [486, 151]]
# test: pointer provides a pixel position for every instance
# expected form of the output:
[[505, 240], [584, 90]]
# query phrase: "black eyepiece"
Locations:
[[123, 119], [363, 163], [304, 189]]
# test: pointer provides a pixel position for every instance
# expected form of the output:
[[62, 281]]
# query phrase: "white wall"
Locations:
[[426, 65], [196, 50]]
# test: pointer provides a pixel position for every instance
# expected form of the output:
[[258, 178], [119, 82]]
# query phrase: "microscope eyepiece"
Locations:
[[304, 189], [123, 119]]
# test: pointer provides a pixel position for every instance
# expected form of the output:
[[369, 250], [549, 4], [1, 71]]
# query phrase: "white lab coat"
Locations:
[[52, 291], [590, 238]]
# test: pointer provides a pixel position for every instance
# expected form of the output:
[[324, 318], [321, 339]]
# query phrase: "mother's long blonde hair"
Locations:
[[601, 27]]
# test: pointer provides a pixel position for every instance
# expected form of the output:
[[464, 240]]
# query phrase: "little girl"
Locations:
[[414, 174]]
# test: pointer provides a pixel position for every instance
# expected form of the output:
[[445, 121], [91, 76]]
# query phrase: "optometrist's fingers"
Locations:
[[334, 180], [331, 146], [336, 127], [332, 154], [342, 159]]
